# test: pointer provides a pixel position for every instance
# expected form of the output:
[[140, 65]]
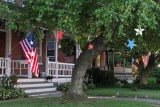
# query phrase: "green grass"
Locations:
[[124, 92], [56, 102]]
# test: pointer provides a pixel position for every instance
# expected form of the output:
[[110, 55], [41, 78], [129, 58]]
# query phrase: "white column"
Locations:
[[56, 51], [47, 64], [47, 59], [8, 70], [29, 72], [8, 42]]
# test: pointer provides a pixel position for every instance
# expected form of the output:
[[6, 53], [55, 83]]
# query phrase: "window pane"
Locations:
[[50, 45], [51, 58], [50, 53]]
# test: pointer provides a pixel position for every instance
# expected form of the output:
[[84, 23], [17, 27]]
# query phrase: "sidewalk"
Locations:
[[156, 101]]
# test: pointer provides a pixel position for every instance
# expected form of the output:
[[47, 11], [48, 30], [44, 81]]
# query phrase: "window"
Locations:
[[51, 50]]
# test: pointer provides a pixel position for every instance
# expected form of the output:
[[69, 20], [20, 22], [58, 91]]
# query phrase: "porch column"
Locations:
[[8, 43], [47, 65], [29, 72], [56, 50]]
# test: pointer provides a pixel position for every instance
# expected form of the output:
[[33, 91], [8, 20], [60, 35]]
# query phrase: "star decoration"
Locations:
[[59, 46], [139, 31], [131, 44], [60, 34], [90, 46], [31, 42]]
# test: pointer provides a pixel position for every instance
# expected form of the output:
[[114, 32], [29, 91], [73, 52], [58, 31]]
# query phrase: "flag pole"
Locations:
[[10, 52], [56, 50]]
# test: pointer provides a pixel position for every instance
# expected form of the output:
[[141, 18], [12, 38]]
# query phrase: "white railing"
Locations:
[[5, 66], [59, 69], [20, 68], [121, 72]]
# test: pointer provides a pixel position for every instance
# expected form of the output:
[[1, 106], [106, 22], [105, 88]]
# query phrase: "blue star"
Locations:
[[131, 44]]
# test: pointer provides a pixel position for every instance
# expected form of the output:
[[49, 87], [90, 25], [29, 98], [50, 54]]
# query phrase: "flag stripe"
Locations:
[[26, 55]]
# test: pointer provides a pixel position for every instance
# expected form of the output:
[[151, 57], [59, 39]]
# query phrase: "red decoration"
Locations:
[[90, 46], [60, 35]]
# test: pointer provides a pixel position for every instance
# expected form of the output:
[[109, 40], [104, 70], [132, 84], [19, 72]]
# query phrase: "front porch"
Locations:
[[20, 68]]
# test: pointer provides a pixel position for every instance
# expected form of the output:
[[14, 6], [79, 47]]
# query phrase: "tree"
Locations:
[[99, 23]]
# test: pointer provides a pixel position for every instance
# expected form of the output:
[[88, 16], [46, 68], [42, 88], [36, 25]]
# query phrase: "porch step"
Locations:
[[36, 87], [22, 80]]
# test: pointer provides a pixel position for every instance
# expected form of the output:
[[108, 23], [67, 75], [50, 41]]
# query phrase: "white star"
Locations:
[[139, 31], [31, 42]]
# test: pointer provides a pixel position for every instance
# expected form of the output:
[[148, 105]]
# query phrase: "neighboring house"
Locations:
[[12, 60], [120, 70]]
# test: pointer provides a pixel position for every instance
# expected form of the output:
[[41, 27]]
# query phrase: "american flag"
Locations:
[[28, 46]]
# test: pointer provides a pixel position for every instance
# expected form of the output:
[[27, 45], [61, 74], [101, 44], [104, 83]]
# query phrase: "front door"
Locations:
[[2, 43]]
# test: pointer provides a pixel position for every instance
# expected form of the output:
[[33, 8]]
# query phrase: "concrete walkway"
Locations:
[[149, 100]]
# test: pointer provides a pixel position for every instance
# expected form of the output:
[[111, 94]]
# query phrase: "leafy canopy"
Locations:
[[83, 20]]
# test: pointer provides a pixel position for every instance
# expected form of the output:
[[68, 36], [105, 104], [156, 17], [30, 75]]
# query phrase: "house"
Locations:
[[52, 61]]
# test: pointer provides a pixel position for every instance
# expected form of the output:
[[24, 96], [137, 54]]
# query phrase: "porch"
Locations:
[[20, 68]]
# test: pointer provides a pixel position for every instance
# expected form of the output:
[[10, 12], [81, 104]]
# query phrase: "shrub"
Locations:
[[99, 77], [64, 87], [156, 74], [6, 94], [150, 87], [13, 79], [151, 80], [91, 86], [8, 81]]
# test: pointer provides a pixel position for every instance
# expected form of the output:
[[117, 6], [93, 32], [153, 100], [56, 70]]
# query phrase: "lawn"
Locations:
[[56, 102], [126, 92]]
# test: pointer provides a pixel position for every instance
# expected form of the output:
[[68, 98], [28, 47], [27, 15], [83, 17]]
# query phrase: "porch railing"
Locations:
[[123, 73], [5, 65], [59, 69], [20, 68]]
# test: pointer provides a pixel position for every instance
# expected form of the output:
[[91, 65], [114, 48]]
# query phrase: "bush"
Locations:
[[64, 87], [91, 86], [150, 87], [6, 94], [99, 77], [151, 80], [156, 74], [8, 82]]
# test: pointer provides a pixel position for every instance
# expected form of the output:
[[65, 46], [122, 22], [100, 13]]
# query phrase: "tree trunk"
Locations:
[[143, 78], [83, 62], [145, 70]]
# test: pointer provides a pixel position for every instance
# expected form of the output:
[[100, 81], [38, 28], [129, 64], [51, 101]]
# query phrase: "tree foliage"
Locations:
[[88, 21]]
